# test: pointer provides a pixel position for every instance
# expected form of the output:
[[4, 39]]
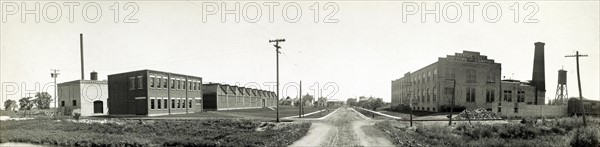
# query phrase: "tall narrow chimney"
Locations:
[[81, 51], [538, 78]]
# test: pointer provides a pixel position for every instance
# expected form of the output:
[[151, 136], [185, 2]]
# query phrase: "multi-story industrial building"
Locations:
[[469, 80], [149, 92], [227, 97], [87, 97], [472, 79]]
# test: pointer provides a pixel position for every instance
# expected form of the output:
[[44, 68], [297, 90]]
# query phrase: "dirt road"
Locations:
[[344, 128]]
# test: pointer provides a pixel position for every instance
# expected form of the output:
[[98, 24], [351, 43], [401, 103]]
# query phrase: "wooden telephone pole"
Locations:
[[577, 55], [54, 75], [277, 47]]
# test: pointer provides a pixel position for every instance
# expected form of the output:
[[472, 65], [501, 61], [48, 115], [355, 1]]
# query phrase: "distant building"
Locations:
[[149, 92], [87, 97], [332, 102], [226, 97]]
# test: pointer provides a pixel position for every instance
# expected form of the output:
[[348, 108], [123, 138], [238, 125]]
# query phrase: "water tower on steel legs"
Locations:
[[561, 89]]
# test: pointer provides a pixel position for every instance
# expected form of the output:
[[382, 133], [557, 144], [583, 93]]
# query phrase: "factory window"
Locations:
[[521, 96], [489, 95], [184, 103], [140, 84], [471, 76], [74, 102], [178, 103], [172, 103], [172, 84], [131, 83], [184, 82], [428, 98], [159, 103], [507, 96], [158, 82], [180, 85], [516, 110], [191, 85], [198, 85], [62, 103], [152, 100], [490, 77], [151, 82], [164, 83], [451, 73], [499, 109], [434, 94], [165, 103], [470, 91], [428, 76]]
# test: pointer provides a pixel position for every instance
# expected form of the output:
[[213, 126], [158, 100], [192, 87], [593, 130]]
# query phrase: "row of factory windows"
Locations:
[[161, 83], [240, 99], [471, 96], [176, 103], [470, 76], [425, 109]]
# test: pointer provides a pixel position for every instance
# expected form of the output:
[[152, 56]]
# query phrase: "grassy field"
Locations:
[[199, 132], [557, 132], [264, 114]]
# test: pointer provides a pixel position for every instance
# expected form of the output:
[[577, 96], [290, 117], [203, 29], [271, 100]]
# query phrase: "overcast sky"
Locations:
[[361, 54]]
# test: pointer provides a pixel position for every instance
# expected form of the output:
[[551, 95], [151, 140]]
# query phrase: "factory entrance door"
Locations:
[[98, 107], [263, 103]]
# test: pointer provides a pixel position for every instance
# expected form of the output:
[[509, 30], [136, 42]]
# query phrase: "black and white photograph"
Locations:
[[300, 73]]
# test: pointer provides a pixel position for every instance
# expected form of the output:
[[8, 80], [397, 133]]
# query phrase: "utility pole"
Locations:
[[54, 75], [300, 100], [277, 47], [452, 101], [81, 52], [577, 55]]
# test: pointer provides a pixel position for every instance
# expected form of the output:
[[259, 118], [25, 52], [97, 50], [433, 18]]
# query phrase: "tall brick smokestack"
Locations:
[[539, 77]]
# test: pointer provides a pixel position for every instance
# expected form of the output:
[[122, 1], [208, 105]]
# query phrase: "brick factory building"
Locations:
[[473, 81], [227, 97], [431, 88], [87, 97], [148, 92]]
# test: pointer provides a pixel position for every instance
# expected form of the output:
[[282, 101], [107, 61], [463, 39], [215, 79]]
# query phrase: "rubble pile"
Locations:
[[477, 114]]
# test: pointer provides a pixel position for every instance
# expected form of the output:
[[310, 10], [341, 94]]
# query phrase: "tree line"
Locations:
[[41, 100]]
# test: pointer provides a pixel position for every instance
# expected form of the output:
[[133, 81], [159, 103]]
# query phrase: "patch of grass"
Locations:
[[264, 113], [372, 115], [320, 114], [559, 132], [205, 132]]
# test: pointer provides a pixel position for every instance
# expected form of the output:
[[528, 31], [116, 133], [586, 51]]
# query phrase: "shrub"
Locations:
[[586, 137], [76, 116]]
